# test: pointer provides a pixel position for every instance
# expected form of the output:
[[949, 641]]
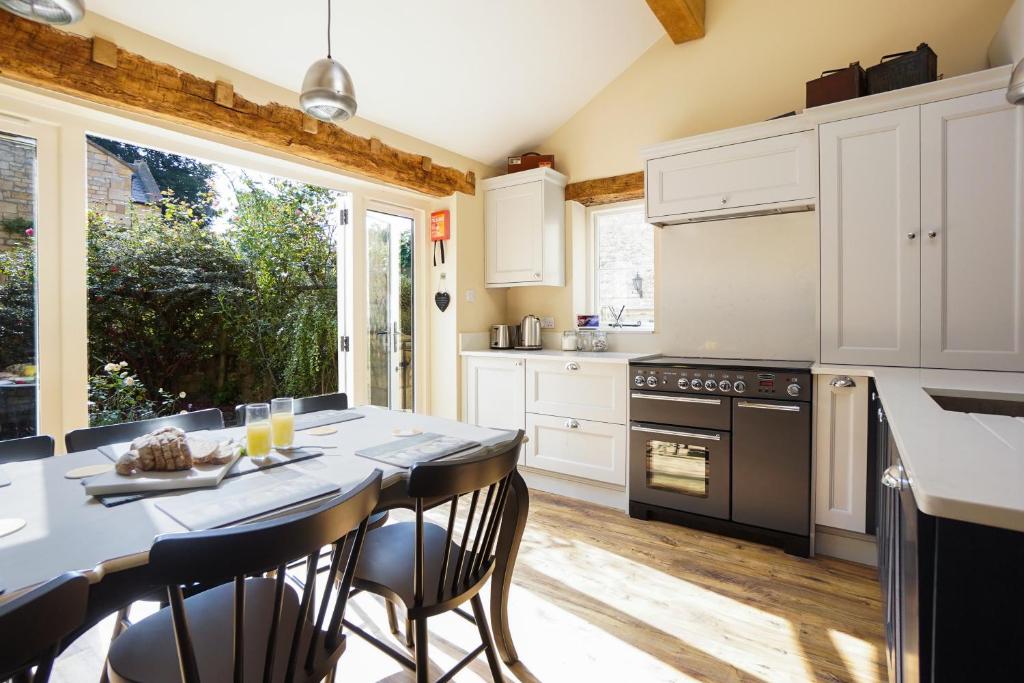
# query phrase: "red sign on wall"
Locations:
[[440, 225]]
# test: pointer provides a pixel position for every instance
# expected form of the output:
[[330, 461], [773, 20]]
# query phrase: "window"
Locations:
[[622, 268]]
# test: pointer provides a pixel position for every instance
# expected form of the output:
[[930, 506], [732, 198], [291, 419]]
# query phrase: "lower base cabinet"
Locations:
[[953, 592], [578, 448]]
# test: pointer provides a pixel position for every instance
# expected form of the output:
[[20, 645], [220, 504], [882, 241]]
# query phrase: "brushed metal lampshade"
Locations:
[[1015, 92], [59, 12], [327, 91]]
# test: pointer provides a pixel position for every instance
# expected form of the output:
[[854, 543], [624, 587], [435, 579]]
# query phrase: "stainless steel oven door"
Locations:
[[679, 468], [706, 412]]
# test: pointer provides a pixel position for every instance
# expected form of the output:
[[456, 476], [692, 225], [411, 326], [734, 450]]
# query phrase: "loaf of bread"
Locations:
[[168, 449]]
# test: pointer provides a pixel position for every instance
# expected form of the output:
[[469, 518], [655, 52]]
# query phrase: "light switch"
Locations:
[[470, 295], [548, 323]]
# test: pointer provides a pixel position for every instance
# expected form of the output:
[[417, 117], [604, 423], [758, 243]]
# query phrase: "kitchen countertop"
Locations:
[[554, 354], [965, 466]]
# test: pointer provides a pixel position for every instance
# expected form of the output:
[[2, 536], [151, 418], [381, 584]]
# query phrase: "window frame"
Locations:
[[590, 298]]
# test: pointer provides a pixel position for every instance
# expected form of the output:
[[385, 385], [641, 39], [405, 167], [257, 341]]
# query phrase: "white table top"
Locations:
[[961, 466], [67, 530]]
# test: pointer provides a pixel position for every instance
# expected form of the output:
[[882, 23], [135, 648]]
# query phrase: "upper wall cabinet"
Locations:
[[767, 175], [869, 210], [524, 229], [922, 236], [972, 251]]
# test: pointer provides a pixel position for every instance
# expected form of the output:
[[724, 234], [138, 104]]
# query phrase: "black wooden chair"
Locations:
[[33, 627], [306, 404], [429, 568], [94, 437], [26, 448], [250, 627]]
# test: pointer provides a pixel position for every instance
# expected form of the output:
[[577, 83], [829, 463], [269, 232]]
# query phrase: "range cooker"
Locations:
[[723, 445]]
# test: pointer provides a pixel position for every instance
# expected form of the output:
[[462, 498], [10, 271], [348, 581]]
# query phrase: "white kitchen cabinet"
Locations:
[[774, 172], [841, 451], [577, 389], [494, 392], [578, 448], [972, 247], [524, 229], [869, 211]]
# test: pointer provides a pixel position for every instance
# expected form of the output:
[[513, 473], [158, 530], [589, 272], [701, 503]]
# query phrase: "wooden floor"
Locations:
[[600, 597]]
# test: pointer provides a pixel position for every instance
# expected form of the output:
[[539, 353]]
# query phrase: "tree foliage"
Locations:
[[17, 304]]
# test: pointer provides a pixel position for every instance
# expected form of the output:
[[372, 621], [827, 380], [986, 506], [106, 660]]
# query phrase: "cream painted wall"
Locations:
[[752, 65]]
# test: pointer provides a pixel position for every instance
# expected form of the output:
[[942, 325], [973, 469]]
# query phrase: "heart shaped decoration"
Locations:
[[442, 299]]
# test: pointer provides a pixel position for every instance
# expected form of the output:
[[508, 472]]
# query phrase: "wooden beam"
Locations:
[[48, 58], [683, 19], [620, 188]]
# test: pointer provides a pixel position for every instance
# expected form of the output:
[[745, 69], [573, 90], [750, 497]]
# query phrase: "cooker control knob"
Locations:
[[638, 380], [695, 384], [739, 386], [793, 390], [710, 384], [683, 384], [652, 381], [725, 385]]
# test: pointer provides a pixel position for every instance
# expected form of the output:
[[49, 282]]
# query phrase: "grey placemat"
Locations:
[[409, 450], [325, 417]]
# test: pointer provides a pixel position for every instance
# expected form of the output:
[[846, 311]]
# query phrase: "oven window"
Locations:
[[678, 468]]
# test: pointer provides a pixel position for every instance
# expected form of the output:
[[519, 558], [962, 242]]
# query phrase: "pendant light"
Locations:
[[58, 12], [327, 90]]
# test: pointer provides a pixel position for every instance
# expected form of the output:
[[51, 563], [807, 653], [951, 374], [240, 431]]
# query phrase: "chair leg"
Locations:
[[392, 617], [485, 636], [120, 624], [422, 660], [408, 633]]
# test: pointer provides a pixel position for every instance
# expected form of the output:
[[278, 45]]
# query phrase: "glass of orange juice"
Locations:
[[282, 419], [257, 429]]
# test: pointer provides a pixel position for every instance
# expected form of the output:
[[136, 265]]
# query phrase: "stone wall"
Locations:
[[17, 192], [110, 183]]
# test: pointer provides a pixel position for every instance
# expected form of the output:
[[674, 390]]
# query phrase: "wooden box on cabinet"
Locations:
[[524, 229]]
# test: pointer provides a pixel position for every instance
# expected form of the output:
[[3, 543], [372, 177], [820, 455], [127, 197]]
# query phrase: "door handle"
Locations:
[[788, 408], [572, 366], [911, 235], [894, 478], [572, 424], [685, 435], [842, 382], [679, 399]]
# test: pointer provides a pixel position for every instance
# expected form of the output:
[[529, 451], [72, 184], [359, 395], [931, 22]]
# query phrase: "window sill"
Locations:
[[619, 330]]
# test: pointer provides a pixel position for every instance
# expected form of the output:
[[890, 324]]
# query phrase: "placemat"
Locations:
[[325, 417], [407, 451]]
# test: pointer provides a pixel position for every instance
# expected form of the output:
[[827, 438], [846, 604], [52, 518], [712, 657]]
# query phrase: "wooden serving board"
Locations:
[[200, 476]]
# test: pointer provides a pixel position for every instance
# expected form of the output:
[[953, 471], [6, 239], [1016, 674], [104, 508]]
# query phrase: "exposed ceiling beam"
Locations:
[[618, 188], [683, 19], [97, 71]]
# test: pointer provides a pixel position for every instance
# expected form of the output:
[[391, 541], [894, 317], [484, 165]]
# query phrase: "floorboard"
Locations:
[[598, 596]]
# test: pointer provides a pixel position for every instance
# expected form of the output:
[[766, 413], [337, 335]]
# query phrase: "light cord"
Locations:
[[328, 29]]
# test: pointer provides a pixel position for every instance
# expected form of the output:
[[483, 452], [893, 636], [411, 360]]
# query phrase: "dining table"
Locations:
[[67, 530]]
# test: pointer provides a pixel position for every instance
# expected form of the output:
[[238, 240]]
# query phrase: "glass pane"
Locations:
[[405, 315], [18, 350], [624, 269], [378, 287], [678, 468], [209, 285]]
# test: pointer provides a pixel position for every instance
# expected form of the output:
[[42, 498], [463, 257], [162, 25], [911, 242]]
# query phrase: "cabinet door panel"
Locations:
[[840, 454], [869, 206], [972, 296], [579, 448], [494, 393], [514, 225]]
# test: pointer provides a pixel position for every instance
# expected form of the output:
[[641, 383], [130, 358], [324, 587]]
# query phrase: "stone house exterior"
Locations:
[[114, 186]]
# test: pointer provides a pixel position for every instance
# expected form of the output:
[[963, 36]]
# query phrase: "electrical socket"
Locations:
[[548, 323]]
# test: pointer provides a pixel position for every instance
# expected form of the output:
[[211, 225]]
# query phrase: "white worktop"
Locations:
[[961, 466], [553, 354]]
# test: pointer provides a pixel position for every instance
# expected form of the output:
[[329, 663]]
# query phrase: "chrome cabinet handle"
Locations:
[[572, 424], [933, 234], [685, 435], [911, 235], [572, 366], [894, 478], [769, 406], [842, 382], [725, 200], [680, 399], [536, 276], [518, 363]]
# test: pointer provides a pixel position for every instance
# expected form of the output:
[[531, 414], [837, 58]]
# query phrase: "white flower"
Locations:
[[111, 367], [182, 395], [124, 364], [129, 381], [184, 412]]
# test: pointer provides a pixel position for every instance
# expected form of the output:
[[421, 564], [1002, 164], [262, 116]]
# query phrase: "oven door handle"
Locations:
[[680, 399], [789, 408], [685, 435]]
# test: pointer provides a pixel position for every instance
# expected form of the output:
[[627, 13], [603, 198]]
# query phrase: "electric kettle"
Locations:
[[529, 333]]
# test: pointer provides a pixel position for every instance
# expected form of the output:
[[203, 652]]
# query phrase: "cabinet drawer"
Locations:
[[577, 388], [777, 169], [579, 448]]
